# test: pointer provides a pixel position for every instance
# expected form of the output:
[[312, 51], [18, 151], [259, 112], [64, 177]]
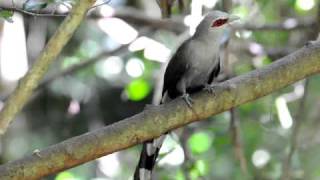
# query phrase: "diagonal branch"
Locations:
[[81, 65], [26, 86], [34, 13], [155, 121]]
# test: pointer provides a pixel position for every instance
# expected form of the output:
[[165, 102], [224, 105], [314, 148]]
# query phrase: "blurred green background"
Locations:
[[113, 67]]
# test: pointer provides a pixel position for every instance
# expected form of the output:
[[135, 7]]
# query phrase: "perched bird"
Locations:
[[192, 68]]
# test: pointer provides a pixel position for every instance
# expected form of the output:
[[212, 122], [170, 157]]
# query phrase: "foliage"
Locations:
[[6, 14]]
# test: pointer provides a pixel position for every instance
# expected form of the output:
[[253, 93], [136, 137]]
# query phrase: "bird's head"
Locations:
[[214, 23], [219, 19]]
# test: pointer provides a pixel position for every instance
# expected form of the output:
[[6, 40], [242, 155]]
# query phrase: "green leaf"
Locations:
[[33, 5], [7, 15], [138, 89], [200, 142]]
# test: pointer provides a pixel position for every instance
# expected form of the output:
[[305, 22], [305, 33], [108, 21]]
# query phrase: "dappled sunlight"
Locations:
[[118, 30], [74, 107], [110, 165], [284, 114], [106, 11], [173, 158], [153, 49], [109, 67], [305, 4], [134, 67], [285, 117], [260, 158], [173, 153], [13, 54]]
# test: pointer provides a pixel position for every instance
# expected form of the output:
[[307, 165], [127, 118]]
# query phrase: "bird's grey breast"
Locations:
[[203, 57]]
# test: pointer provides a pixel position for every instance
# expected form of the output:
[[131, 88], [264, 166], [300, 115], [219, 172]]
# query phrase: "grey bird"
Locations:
[[191, 69]]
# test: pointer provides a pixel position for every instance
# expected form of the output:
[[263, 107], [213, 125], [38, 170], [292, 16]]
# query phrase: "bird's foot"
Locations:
[[186, 97], [36, 152], [310, 43], [210, 88]]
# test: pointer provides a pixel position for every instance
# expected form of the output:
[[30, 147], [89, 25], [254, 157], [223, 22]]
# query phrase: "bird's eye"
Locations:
[[219, 22]]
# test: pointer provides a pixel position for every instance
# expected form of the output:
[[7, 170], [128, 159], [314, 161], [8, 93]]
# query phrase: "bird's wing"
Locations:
[[215, 71], [174, 72]]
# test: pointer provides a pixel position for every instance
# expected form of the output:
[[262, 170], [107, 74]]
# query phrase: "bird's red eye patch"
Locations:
[[219, 22]]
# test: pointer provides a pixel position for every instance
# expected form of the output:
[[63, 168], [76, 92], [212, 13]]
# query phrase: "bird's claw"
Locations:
[[210, 88], [186, 97], [309, 43], [36, 152]]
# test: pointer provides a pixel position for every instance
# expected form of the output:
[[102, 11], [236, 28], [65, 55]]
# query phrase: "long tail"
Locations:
[[148, 157]]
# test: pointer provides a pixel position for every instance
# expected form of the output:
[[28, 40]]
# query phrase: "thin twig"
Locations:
[[234, 120], [276, 26], [235, 130], [236, 141], [45, 13], [34, 13], [165, 7], [135, 16], [188, 159], [295, 133], [81, 65], [286, 175], [101, 4]]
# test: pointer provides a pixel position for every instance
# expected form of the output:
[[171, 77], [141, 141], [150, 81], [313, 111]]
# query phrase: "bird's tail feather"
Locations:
[[148, 157]]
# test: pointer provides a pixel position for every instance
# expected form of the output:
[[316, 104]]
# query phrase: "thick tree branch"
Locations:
[[26, 86], [157, 120]]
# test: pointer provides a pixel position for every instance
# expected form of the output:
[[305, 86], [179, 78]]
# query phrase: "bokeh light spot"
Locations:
[[13, 56], [135, 67], [260, 158], [65, 176], [304, 5], [110, 67], [138, 89], [201, 167], [118, 30], [241, 11], [200, 142]]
